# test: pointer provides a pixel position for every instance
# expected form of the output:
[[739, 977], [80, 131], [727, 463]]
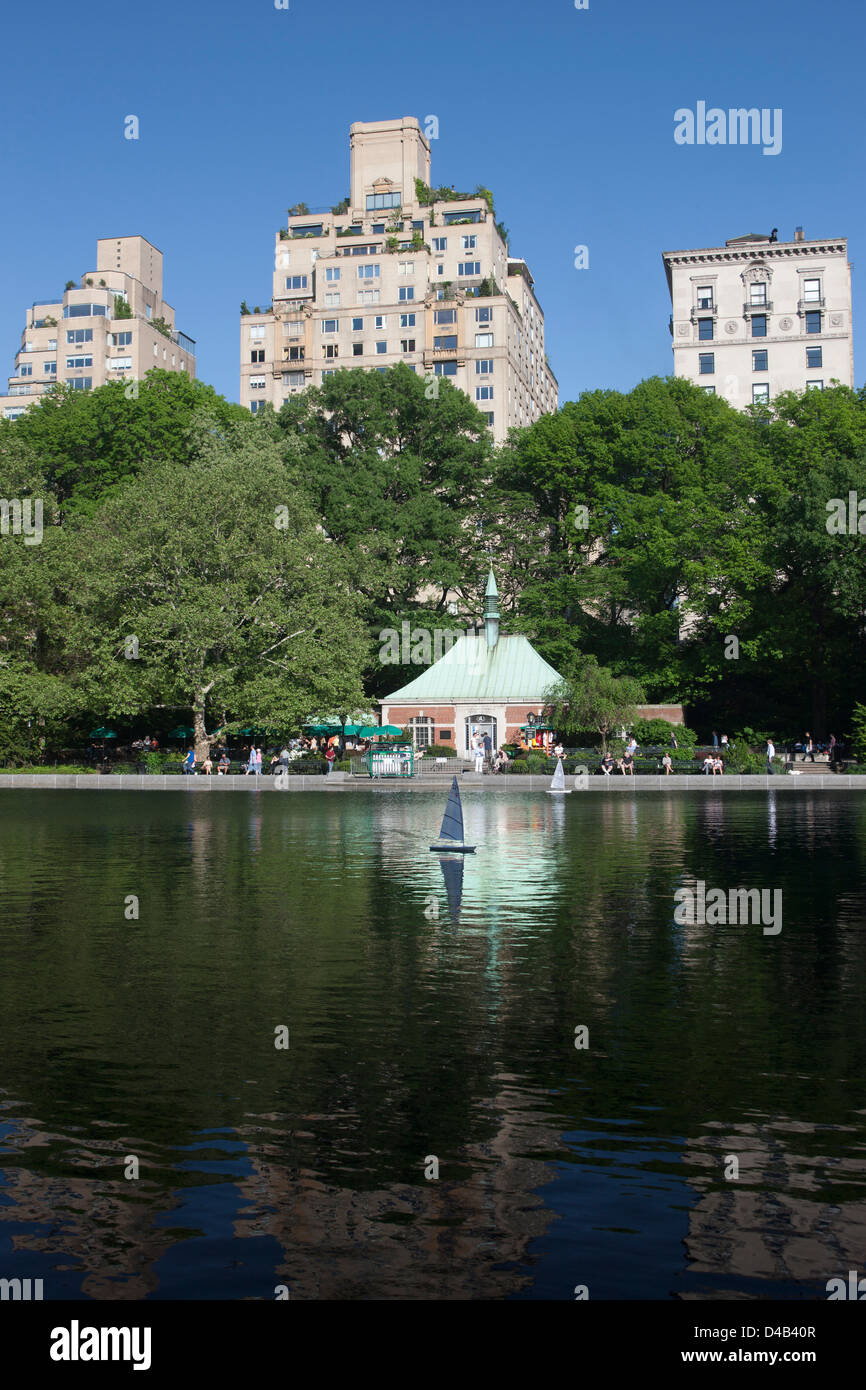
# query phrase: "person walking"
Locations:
[[258, 762], [808, 748], [189, 761], [771, 753], [330, 758]]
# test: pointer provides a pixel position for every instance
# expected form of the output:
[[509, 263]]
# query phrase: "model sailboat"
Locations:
[[557, 786], [451, 833]]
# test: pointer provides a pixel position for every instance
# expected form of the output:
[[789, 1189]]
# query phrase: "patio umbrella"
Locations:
[[182, 731], [390, 730], [102, 733]]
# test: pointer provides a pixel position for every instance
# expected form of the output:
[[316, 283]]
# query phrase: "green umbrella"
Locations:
[[102, 733], [182, 731], [391, 730]]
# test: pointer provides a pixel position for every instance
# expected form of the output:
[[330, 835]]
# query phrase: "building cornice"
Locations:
[[756, 251]]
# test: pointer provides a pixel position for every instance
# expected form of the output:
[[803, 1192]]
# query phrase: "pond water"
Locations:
[[431, 1010]]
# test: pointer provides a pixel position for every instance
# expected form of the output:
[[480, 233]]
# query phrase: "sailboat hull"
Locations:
[[559, 791], [453, 849]]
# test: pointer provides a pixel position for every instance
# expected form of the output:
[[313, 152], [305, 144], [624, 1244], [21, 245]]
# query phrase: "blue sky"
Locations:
[[567, 115]]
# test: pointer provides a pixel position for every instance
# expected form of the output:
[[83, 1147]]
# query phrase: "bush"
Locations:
[[658, 731], [344, 765], [858, 733], [440, 750]]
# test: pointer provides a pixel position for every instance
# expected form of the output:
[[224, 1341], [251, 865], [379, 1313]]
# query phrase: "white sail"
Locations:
[[557, 786]]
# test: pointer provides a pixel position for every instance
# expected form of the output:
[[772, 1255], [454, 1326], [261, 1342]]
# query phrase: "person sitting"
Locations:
[[708, 764], [607, 764], [718, 767], [223, 765], [627, 765], [207, 766], [667, 764]]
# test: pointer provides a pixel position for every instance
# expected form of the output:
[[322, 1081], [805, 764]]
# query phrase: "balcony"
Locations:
[[749, 309], [805, 306]]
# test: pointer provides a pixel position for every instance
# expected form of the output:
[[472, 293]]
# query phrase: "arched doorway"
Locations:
[[479, 724]]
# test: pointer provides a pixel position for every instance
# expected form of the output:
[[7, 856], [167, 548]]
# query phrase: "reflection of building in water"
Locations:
[[778, 1222], [435, 1239]]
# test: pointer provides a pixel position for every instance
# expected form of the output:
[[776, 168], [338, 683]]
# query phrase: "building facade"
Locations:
[[114, 325], [758, 316], [396, 274]]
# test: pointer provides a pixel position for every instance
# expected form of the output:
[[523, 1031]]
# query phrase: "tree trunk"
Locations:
[[202, 739]]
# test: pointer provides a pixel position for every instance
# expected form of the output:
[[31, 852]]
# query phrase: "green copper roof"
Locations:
[[491, 585], [512, 670]]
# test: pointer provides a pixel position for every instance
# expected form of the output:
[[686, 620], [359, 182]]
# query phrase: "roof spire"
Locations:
[[491, 611]]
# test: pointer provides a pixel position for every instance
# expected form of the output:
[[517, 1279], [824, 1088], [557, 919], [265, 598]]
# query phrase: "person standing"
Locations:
[[674, 743], [330, 758], [479, 753], [832, 751], [808, 748], [715, 739], [771, 753], [258, 762], [488, 749], [724, 740]]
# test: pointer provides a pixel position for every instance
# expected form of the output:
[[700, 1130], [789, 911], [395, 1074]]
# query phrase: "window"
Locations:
[[257, 383], [293, 379], [814, 386], [489, 414], [293, 329], [73, 363], [332, 350], [407, 344], [446, 342], [258, 331], [330, 325], [332, 272], [378, 227], [357, 349], [705, 330], [368, 296], [758, 293], [484, 315], [257, 355], [329, 372], [80, 383], [332, 300], [81, 335], [706, 363], [760, 393], [440, 270], [49, 368], [813, 321], [381, 348], [759, 325], [440, 243], [759, 360], [26, 368], [422, 731], [709, 390], [469, 243], [814, 357], [465, 216], [444, 315], [484, 393], [376, 201], [296, 282], [406, 268], [705, 296], [357, 325], [368, 272], [445, 368], [407, 320], [120, 364], [484, 366], [52, 344], [407, 292], [484, 340], [812, 291], [381, 321], [469, 268], [84, 311], [294, 354], [120, 339], [256, 406]]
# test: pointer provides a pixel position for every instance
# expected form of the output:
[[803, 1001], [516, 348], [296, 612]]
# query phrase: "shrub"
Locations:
[[858, 733], [440, 750], [658, 731], [344, 765]]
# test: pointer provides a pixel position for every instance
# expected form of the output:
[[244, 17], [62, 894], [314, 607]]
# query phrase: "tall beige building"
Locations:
[[758, 316], [114, 325], [394, 274]]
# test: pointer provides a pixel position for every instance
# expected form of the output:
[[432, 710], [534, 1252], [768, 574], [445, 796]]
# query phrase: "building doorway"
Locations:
[[479, 724]]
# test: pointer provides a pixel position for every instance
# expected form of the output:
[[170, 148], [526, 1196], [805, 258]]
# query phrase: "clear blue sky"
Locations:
[[567, 115]]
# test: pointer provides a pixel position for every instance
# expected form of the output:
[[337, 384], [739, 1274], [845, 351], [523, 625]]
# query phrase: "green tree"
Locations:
[[592, 697], [242, 610]]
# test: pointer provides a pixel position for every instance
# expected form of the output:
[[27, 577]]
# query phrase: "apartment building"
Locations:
[[114, 325], [398, 272], [758, 316]]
